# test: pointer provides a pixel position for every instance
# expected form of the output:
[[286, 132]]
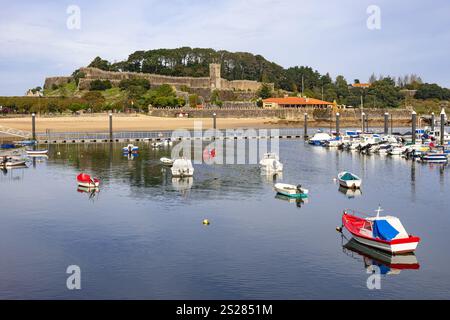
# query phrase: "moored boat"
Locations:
[[290, 190], [182, 168], [36, 152], [85, 180], [271, 163], [130, 148], [382, 232], [434, 156], [166, 161], [319, 138], [349, 180]]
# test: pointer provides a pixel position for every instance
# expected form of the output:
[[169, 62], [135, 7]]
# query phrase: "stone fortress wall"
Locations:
[[214, 81]]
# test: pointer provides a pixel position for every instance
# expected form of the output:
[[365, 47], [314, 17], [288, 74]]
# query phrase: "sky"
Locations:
[[327, 35]]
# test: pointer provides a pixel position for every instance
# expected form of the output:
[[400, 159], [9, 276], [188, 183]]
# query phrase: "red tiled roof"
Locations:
[[297, 101], [361, 85]]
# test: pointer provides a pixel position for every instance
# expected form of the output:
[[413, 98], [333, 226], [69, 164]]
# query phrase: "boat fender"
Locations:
[[339, 229]]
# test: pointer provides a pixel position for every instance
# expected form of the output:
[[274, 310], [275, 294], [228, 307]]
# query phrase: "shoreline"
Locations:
[[98, 123]]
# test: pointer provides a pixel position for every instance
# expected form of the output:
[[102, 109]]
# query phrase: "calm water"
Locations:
[[142, 235]]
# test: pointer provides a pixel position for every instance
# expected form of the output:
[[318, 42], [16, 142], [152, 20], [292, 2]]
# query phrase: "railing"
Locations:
[[15, 132], [164, 134]]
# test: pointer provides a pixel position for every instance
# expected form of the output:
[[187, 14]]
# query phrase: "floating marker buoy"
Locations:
[[206, 222], [59, 153]]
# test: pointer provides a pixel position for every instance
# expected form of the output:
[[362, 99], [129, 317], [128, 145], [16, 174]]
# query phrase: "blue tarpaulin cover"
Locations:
[[383, 230]]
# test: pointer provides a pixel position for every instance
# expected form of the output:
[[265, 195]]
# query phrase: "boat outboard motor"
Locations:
[[299, 188], [129, 149]]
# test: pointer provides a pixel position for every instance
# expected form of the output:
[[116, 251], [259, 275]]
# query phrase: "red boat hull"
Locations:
[[355, 226]]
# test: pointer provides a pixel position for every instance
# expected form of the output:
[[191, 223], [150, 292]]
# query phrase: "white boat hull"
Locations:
[[350, 183], [394, 248]]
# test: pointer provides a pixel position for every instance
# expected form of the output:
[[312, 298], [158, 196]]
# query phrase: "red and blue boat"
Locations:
[[381, 232]]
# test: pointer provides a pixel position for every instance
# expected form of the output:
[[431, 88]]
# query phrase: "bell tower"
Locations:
[[214, 76]]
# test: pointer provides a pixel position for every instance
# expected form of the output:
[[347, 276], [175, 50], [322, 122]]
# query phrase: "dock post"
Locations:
[[363, 115], [337, 123], [413, 126], [433, 120], [442, 133], [110, 127], [33, 126], [214, 121], [305, 124], [386, 123], [392, 124], [367, 122]]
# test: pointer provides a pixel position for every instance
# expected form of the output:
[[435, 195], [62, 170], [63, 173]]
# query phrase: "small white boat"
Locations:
[[271, 163], [182, 168], [397, 150], [13, 163], [349, 180], [290, 190], [36, 152], [157, 144], [167, 142], [130, 148], [319, 138], [166, 161]]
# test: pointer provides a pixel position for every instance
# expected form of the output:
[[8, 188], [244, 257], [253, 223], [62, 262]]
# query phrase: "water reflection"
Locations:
[[350, 193], [298, 202], [388, 264]]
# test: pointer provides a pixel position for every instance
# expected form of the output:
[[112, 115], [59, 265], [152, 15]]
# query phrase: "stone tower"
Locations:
[[214, 75]]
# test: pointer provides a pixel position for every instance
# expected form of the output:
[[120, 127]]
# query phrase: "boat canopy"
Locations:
[[383, 230]]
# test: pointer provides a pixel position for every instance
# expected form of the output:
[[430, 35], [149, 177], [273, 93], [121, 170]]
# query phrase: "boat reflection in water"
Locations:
[[91, 191], [298, 201], [182, 184], [388, 263], [350, 193]]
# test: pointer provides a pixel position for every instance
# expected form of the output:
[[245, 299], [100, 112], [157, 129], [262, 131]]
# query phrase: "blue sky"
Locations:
[[330, 36]]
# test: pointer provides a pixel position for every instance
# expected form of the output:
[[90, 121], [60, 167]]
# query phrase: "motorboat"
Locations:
[[130, 148], [85, 180], [290, 190], [167, 142], [271, 163], [397, 150], [319, 138], [182, 168], [36, 152], [381, 232], [434, 156], [157, 144], [166, 161], [349, 180], [12, 162]]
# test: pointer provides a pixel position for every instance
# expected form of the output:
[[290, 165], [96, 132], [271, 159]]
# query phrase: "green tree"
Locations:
[[99, 63], [387, 95], [265, 91]]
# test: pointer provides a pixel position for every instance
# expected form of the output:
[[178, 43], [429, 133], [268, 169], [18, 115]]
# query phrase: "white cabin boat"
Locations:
[[182, 168], [271, 163]]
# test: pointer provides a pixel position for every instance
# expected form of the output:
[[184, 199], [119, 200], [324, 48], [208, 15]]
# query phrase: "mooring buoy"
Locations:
[[206, 222]]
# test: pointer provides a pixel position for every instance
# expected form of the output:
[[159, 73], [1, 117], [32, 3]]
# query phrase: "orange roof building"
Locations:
[[361, 85], [295, 102]]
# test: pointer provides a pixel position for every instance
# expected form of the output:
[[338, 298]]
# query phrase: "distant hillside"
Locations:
[[194, 62]]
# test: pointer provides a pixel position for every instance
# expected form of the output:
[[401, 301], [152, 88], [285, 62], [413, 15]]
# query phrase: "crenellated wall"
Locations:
[[214, 81]]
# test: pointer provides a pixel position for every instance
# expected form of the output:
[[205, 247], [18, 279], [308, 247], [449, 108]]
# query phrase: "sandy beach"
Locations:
[[128, 123]]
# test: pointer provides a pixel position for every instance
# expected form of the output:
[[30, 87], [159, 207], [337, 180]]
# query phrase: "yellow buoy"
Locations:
[[206, 222]]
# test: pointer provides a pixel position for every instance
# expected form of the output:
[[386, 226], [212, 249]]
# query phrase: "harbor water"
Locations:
[[142, 235]]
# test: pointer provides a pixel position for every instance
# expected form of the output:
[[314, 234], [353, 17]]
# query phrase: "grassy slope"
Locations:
[[70, 90]]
